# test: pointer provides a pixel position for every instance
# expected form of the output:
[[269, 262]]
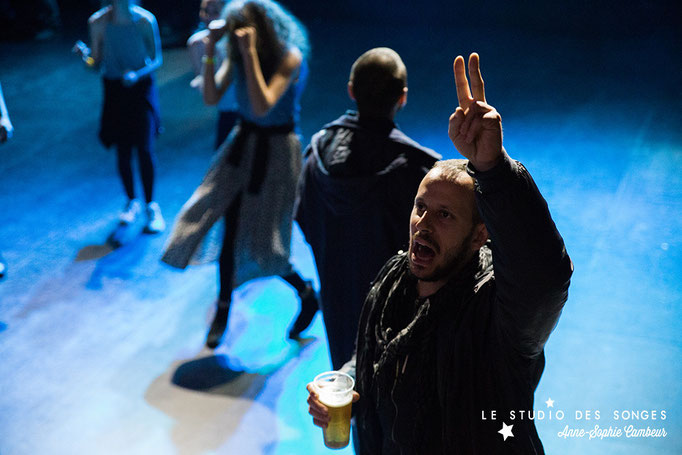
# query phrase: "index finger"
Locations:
[[310, 387], [463, 93], [476, 78]]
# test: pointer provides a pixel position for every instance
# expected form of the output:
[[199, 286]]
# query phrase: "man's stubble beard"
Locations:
[[454, 261]]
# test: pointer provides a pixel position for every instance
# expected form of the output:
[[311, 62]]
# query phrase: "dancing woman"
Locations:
[[126, 48], [252, 180]]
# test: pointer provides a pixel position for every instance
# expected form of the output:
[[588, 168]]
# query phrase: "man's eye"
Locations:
[[445, 214]]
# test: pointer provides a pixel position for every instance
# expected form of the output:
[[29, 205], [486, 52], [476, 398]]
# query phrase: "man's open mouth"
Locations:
[[422, 251]]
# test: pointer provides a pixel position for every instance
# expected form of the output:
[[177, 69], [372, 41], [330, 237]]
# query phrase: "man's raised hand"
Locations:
[[475, 128]]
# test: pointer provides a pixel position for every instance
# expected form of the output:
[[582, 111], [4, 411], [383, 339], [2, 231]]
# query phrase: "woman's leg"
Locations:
[[226, 275], [145, 156], [147, 160], [309, 304], [125, 169]]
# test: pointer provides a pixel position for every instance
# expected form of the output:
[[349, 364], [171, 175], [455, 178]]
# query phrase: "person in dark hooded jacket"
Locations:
[[356, 190], [451, 338]]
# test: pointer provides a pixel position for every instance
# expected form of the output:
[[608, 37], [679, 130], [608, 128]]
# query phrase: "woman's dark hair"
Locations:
[[277, 30]]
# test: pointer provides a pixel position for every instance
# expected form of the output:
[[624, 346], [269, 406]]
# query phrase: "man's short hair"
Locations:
[[455, 170], [378, 77]]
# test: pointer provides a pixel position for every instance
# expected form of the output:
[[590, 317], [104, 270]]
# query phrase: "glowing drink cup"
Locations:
[[335, 390]]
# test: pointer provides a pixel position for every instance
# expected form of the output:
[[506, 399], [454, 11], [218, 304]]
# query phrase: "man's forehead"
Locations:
[[461, 179], [444, 191]]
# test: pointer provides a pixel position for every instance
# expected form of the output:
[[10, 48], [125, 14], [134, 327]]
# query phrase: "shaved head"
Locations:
[[378, 79]]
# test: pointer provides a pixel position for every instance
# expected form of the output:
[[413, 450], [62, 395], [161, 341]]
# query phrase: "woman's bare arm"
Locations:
[[263, 94]]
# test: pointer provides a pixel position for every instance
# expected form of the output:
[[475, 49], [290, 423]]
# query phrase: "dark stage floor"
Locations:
[[102, 351]]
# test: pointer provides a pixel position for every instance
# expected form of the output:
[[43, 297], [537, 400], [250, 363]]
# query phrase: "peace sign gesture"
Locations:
[[475, 127]]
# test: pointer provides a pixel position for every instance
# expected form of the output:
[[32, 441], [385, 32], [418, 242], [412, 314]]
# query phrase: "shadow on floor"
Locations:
[[213, 374], [93, 252], [217, 374], [121, 235]]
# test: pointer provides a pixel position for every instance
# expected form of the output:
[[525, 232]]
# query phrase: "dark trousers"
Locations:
[[146, 161], [226, 273]]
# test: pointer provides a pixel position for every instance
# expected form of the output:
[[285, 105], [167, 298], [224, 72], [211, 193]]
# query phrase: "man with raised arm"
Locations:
[[451, 336]]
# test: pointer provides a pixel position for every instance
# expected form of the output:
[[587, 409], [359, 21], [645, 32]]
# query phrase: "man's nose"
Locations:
[[424, 221]]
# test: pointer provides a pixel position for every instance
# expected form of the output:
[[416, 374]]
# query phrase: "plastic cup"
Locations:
[[335, 390]]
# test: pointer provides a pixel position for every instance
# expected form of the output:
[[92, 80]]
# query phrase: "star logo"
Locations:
[[506, 431], [550, 403]]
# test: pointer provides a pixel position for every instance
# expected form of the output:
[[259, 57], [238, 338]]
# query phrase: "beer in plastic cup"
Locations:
[[335, 390]]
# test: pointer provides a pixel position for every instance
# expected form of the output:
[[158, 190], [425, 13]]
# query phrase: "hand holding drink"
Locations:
[[217, 27], [216, 30], [330, 401]]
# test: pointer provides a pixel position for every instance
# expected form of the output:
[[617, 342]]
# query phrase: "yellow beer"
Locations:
[[337, 433], [335, 390]]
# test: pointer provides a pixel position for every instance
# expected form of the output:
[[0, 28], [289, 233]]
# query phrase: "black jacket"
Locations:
[[355, 197], [427, 369]]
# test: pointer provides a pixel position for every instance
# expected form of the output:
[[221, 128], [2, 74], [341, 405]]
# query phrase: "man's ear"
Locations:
[[350, 90], [480, 236], [402, 101]]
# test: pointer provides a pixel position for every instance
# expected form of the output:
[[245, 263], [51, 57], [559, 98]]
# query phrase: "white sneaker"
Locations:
[[155, 221], [129, 214]]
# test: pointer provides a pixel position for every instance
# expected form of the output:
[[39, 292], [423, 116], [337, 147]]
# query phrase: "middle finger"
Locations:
[[475, 77]]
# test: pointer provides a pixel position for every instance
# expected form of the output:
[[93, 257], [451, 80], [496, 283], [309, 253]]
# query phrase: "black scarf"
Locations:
[[401, 328]]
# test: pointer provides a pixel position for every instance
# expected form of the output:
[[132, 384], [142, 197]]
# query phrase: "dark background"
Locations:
[[586, 46], [595, 18]]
